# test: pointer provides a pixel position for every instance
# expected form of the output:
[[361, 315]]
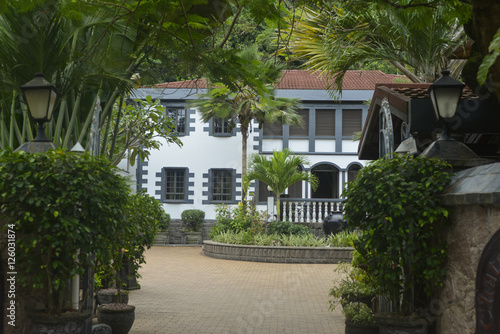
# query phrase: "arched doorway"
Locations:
[[352, 172], [488, 288], [328, 185]]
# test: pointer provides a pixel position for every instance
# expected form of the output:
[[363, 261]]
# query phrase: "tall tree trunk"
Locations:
[[244, 137]]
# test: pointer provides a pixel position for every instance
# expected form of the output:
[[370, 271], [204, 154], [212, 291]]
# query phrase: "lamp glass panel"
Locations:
[[447, 100], [37, 100]]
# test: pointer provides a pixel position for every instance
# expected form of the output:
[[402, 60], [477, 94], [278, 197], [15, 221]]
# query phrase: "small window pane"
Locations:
[[352, 174], [263, 192], [179, 117], [220, 126], [351, 122], [301, 131], [272, 130], [325, 122], [175, 184], [222, 185]]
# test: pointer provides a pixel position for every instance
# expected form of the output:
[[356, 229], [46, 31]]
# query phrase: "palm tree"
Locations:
[[89, 51], [251, 98], [336, 37], [279, 172]]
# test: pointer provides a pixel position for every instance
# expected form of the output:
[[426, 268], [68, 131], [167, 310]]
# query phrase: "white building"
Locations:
[[206, 170]]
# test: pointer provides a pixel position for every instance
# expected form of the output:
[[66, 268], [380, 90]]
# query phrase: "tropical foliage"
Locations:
[[343, 239], [279, 172], [396, 203], [335, 36], [95, 53], [63, 207]]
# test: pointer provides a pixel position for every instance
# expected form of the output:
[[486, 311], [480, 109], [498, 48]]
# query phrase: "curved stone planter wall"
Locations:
[[277, 254]]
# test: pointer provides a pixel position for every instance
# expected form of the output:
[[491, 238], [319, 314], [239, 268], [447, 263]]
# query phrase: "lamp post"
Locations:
[[40, 97], [445, 95]]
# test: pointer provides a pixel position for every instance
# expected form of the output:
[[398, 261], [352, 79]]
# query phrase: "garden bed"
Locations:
[[277, 254]]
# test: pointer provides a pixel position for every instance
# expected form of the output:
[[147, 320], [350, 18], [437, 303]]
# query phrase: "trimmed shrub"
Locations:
[[193, 219], [287, 228]]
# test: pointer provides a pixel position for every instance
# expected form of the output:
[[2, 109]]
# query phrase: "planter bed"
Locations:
[[277, 254]]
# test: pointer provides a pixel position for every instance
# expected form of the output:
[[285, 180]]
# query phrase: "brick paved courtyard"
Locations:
[[184, 291]]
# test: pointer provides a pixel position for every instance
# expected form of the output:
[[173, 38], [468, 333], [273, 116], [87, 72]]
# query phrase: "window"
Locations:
[[263, 192], [222, 185], [179, 117], [272, 130], [351, 122], [301, 131], [352, 173], [175, 184], [325, 122], [220, 126]]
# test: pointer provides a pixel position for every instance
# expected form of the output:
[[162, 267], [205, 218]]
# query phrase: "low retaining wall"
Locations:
[[277, 254]]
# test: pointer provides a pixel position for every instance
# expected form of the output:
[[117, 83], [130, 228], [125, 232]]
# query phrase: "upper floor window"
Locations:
[[301, 131], [325, 122], [272, 130], [220, 126], [351, 121], [179, 117], [221, 185], [175, 184]]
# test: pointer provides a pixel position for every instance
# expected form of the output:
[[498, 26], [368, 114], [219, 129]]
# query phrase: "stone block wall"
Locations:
[[474, 204], [471, 229], [176, 233]]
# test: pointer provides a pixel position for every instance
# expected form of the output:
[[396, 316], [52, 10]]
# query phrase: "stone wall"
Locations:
[[474, 203], [277, 254], [176, 233], [472, 227]]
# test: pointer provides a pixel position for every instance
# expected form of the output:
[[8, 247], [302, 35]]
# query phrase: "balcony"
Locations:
[[315, 210]]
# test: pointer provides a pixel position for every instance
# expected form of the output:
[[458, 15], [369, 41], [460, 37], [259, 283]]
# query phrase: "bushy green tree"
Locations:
[[396, 203], [63, 207]]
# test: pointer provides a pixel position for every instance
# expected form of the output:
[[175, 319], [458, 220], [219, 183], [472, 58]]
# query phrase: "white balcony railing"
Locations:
[[312, 210]]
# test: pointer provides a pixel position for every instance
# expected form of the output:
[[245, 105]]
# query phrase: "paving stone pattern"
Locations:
[[184, 291]]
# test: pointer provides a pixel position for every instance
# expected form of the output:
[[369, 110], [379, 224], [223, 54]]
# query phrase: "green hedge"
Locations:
[[193, 219]]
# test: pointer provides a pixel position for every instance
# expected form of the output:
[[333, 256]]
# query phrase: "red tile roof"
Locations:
[[298, 79]]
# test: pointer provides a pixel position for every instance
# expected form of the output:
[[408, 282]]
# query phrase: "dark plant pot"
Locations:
[[192, 238], [128, 276], [393, 323], [67, 323], [120, 317], [351, 328], [108, 296]]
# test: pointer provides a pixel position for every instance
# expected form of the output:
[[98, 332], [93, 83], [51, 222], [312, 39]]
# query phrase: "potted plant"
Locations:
[[59, 205], [359, 319], [397, 205], [193, 220], [353, 286], [141, 217], [162, 234], [357, 295]]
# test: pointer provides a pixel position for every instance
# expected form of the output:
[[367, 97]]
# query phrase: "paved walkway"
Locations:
[[184, 291]]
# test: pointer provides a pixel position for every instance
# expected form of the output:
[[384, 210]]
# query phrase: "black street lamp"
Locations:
[[445, 95], [40, 96]]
